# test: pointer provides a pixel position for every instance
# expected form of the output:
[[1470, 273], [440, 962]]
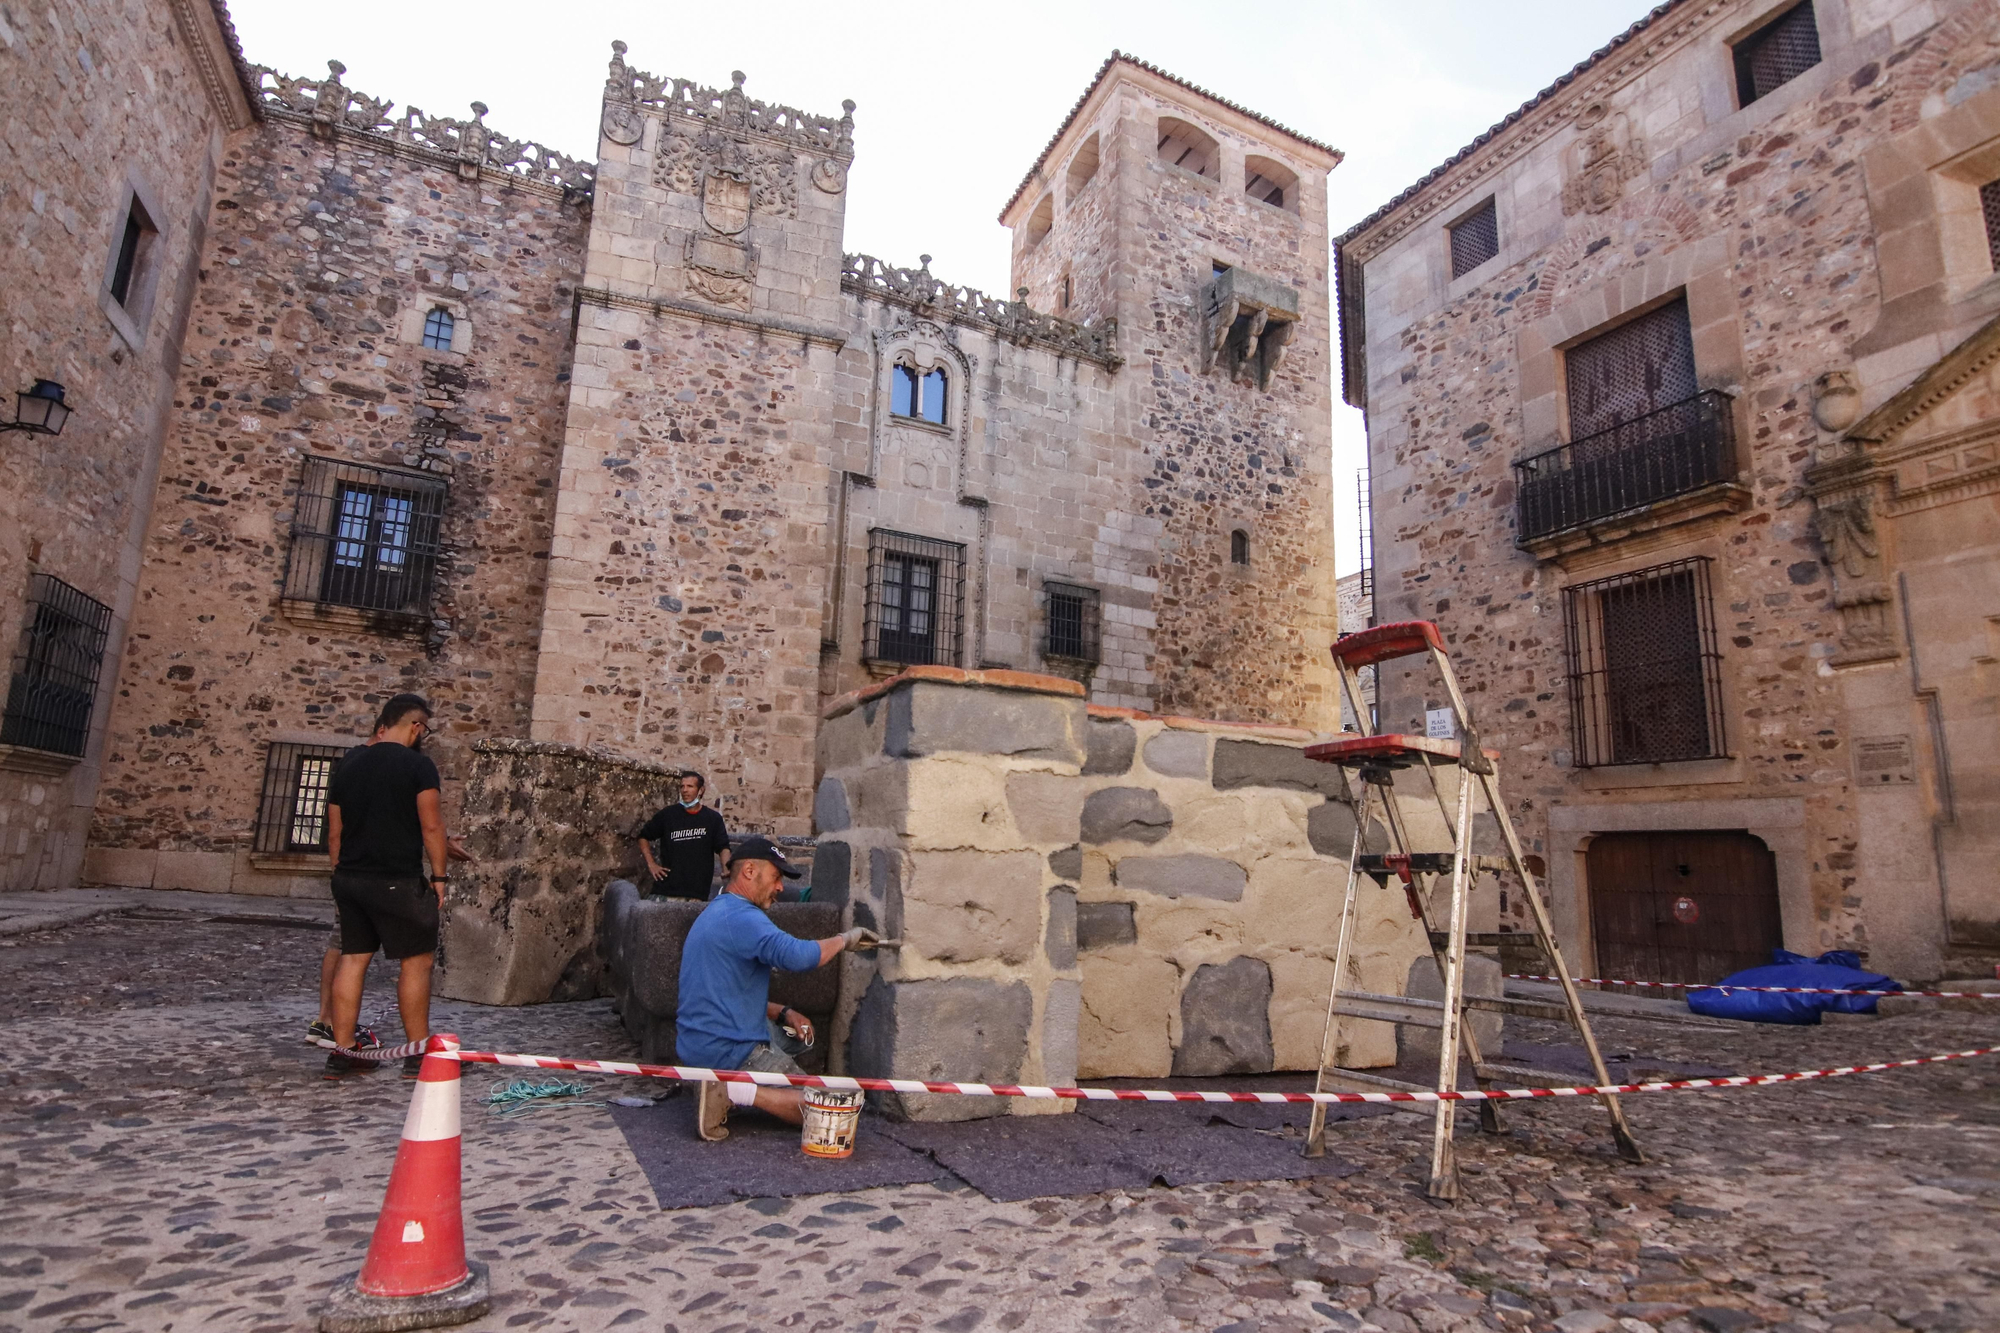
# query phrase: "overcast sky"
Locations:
[[954, 103]]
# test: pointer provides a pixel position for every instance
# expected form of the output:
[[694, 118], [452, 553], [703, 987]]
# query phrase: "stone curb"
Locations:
[[28, 923]]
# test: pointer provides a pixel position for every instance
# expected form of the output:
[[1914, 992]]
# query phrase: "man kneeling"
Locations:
[[726, 1018]]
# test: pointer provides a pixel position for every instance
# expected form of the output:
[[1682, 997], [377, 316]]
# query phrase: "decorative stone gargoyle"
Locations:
[[1247, 319]]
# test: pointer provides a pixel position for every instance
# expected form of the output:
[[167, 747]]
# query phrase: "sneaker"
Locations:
[[318, 1031], [413, 1065], [711, 1111], [340, 1066]]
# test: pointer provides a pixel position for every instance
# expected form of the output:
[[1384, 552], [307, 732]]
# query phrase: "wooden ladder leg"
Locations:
[[1489, 1112], [1444, 1162], [1329, 1044], [1628, 1147]]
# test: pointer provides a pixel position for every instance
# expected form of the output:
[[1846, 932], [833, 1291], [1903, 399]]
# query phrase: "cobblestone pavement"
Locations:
[[170, 1161]]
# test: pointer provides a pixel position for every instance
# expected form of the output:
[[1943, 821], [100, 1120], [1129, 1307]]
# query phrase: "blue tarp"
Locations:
[[1838, 970]]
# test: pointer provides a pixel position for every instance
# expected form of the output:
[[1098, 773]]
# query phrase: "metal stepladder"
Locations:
[[1377, 757]]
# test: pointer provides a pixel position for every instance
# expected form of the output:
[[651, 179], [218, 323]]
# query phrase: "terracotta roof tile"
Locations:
[[244, 75]]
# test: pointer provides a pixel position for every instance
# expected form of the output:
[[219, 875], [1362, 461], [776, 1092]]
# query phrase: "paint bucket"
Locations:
[[830, 1121]]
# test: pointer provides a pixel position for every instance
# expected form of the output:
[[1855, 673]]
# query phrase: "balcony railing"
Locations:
[[1636, 463]]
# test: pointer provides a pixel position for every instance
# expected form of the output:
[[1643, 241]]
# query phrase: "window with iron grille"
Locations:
[[1073, 623], [1475, 238], [915, 596], [366, 537], [1645, 676], [439, 326], [1776, 53], [49, 698], [291, 813], [1989, 205]]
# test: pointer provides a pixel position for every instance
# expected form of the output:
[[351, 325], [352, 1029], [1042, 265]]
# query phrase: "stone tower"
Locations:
[[1201, 228]]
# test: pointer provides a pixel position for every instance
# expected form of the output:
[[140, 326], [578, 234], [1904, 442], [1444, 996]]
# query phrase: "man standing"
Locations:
[[690, 837], [383, 822], [726, 1019]]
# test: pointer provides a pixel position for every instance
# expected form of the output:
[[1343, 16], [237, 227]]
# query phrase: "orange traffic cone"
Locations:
[[416, 1274]]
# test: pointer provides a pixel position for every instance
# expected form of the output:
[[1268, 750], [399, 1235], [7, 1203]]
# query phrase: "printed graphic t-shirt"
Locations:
[[689, 841]]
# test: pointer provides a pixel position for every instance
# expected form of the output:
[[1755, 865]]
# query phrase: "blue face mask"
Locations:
[[695, 804]]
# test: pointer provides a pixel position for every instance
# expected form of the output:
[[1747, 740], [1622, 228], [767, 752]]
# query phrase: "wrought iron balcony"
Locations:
[[1634, 464]]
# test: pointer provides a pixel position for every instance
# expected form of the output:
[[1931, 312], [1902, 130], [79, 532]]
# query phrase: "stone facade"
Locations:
[[1826, 237], [1095, 892], [610, 454]]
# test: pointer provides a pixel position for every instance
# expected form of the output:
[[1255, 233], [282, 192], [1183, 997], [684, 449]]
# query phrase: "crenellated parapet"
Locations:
[[330, 108], [694, 107], [916, 289]]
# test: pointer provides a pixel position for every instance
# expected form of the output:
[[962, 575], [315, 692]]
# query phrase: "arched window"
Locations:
[[1083, 166], [918, 394], [1239, 547], [1271, 182], [438, 328], [1043, 218], [1184, 146]]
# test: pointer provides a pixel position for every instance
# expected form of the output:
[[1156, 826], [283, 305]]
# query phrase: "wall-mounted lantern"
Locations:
[[40, 410]]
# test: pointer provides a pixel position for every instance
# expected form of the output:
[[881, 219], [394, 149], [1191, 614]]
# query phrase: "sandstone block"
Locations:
[[1187, 875], [960, 907], [1178, 754], [1059, 939], [1103, 925], [926, 719], [1131, 814], [1111, 747], [1240, 763], [830, 813], [1330, 830], [1226, 1020], [961, 1029], [1044, 806], [1128, 1005]]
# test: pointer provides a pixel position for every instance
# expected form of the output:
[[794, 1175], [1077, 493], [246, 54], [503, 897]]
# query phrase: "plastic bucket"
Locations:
[[830, 1121]]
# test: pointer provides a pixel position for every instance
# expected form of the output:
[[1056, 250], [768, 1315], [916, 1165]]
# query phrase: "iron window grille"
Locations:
[[1677, 449], [1989, 208], [1475, 238], [135, 244], [54, 685], [366, 537], [439, 326], [915, 599], [917, 394], [1239, 547], [1645, 676], [291, 811], [1073, 624], [1776, 53]]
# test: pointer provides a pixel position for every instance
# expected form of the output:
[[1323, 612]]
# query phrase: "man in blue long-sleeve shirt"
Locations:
[[726, 1019]]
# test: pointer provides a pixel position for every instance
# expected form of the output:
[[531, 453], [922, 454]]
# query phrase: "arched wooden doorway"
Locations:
[[1682, 906]]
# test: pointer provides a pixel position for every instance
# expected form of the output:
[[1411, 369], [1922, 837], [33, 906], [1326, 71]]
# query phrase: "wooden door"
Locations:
[[1682, 906]]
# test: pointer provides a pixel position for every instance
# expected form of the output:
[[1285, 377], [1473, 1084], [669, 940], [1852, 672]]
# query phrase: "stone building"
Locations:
[[625, 457], [1681, 419]]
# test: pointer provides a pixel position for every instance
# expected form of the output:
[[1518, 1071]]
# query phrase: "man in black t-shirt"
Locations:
[[690, 836], [383, 822]]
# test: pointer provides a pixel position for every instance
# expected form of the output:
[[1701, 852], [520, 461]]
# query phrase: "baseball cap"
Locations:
[[762, 849]]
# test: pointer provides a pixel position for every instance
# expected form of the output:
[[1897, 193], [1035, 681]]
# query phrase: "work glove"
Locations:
[[862, 938]]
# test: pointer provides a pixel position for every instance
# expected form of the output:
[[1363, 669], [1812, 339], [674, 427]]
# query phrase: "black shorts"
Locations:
[[397, 916]]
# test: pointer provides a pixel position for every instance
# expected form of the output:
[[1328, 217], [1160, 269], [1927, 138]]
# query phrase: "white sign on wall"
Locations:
[[1437, 724]]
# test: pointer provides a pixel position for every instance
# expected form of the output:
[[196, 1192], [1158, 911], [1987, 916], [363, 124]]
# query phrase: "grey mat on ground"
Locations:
[[1245, 1115], [1624, 1066], [759, 1159]]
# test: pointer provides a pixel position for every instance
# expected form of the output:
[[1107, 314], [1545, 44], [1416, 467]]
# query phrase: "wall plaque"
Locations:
[[1884, 761]]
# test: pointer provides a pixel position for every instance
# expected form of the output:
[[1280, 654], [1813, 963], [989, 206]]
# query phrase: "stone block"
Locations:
[[1062, 1011], [1111, 747], [1330, 830], [1044, 805], [1226, 1020], [1103, 925], [961, 906], [1124, 1030], [201, 872], [1240, 763], [926, 719], [120, 867], [1482, 977], [830, 814], [1129, 814], [960, 1029], [1059, 939], [883, 911], [1178, 754], [832, 874], [1186, 875], [1067, 862]]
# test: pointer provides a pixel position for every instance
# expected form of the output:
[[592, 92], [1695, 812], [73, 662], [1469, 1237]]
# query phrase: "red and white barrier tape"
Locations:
[[1770, 990], [694, 1074]]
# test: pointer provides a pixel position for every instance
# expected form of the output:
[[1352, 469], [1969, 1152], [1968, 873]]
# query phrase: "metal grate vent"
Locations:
[[1645, 676], [1639, 367], [366, 537], [915, 613], [291, 812], [1475, 238], [1989, 204], [49, 699], [1074, 623], [1776, 54]]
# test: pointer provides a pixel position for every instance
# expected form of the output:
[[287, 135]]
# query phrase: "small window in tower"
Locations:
[[1271, 183], [1475, 238], [1239, 547], [1083, 167], [1043, 218], [438, 328], [1184, 146], [920, 395], [1776, 53], [1067, 292], [135, 254]]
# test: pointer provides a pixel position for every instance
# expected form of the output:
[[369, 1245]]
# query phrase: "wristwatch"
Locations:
[[439, 879]]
